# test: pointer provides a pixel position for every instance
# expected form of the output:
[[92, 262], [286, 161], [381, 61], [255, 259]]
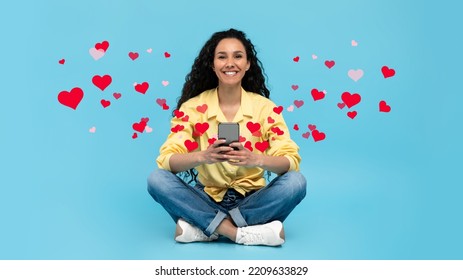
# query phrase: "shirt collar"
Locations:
[[246, 108]]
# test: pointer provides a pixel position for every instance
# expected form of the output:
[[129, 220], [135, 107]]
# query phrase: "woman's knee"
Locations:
[[297, 183], [158, 180]]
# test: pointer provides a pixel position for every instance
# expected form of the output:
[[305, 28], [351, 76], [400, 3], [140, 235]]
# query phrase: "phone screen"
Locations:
[[230, 132]]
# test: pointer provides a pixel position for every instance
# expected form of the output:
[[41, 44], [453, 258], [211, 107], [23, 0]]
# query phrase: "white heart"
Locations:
[[149, 50], [96, 54], [92, 129], [355, 74], [290, 108], [165, 83], [148, 129], [354, 43], [314, 57]]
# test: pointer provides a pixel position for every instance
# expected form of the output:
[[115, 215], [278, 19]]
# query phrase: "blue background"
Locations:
[[381, 186]]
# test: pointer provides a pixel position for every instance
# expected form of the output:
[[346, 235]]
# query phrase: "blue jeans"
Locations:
[[180, 200]]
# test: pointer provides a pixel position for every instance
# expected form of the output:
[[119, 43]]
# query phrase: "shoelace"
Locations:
[[252, 237]]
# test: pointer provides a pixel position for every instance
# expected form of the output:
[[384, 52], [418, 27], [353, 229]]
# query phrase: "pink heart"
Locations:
[[290, 108], [149, 50], [355, 74], [165, 83], [294, 87], [354, 43], [161, 101], [92, 129], [96, 54], [117, 95], [314, 57], [298, 103], [148, 129]]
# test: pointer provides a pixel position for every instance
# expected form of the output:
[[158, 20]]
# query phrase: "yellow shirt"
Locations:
[[262, 130]]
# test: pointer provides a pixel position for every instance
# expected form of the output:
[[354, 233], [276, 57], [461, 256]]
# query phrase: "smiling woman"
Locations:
[[230, 197]]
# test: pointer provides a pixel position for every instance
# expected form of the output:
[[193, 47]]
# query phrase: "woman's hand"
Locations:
[[215, 153], [242, 156]]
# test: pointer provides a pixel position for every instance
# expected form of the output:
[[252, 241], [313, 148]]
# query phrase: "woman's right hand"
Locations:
[[215, 153]]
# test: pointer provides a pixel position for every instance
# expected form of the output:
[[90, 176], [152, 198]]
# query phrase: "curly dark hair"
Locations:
[[202, 76]]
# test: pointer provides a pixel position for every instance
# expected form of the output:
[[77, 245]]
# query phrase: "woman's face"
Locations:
[[230, 62]]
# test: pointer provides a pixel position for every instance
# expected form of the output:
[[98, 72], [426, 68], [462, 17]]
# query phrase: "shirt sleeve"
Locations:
[[180, 137], [280, 142]]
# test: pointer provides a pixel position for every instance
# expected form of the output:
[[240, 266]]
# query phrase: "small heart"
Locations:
[[242, 139], [71, 98], [383, 107], [387, 72], [290, 108], [296, 59], [185, 118], [277, 130], [306, 135], [248, 145], [355, 74], [253, 127], [133, 55], [262, 146], [278, 109], [202, 108], [140, 127], [165, 106], [117, 95], [102, 82], [317, 95], [341, 105], [134, 135], [298, 103], [161, 101], [312, 127], [92, 129], [350, 99], [165, 83], [102, 46], [354, 43], [191, 145], [105, 103], [294, 87], [177, 128], [296, 127], [314, 57], [201, 128], [178, 114], [352, 114], [145, 120], [61, 61], [142, 88], [166, 55], [270, 120], [96, 54], [318, 136], [148, 129], [211, 141], [329, 63], [150, 50]]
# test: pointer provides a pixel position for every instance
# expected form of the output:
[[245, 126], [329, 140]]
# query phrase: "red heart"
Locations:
[[202, 108], [277, 130], [270, 120], [167, 55], [242, 139], [387, 72], [105, 103], [178, 114], [318, 136], [200, 128], [312, 127], [262, 146], [352, 114], [177, 128], [298, 103], [102, 82], [117, 95], [191, 145], [134, 135], [341, 105], [248, 145], [383, 107], [253, 127], [329, 63], [278, 109], [145, 120], [142, 88], [317, 95], [296, 127], [160, 101], [71, 99], [61, 61], [294, 87], [211, 141], [185, 118], [306, 135], [140, 127], [296, 59], [165, 106], [102, 46], [133, 55], [350, 99]]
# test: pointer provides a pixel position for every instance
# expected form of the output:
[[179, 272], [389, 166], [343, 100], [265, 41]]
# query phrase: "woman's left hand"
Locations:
[[242, 156]]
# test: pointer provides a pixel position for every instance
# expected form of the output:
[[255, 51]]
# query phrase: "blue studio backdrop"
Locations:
[[384, 174]]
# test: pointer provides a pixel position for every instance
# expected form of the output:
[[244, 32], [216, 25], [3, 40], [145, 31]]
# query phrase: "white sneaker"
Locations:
[[270, 234], [187, 233]]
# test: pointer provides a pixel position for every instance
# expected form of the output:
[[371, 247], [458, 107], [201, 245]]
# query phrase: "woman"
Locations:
[[230, 198]]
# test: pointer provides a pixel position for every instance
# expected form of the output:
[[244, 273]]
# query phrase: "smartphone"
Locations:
[[230, 132]]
